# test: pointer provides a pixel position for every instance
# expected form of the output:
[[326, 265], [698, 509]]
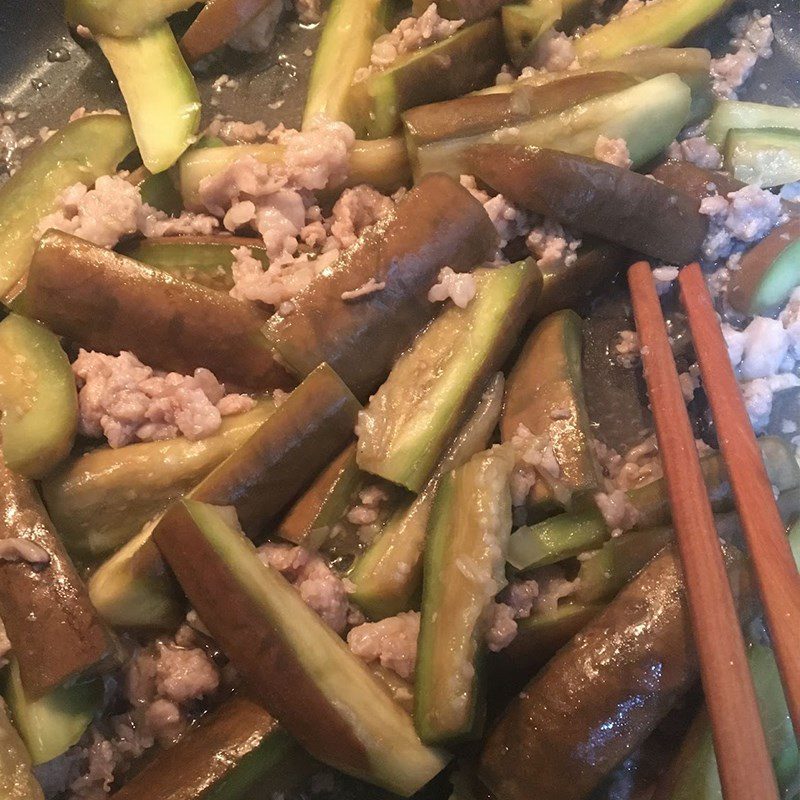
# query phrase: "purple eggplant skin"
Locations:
[[54, 630], [438, 224], [593, 197], [107, 302], [286, 453], [603, 693], [697, 182]]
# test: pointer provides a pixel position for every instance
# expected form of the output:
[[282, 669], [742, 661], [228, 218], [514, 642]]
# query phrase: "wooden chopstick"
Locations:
[[775, 570], [742, 756]]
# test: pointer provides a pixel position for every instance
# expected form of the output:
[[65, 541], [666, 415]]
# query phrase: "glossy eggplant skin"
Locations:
[[211, 760], [285, 454], [479, 113], [107, 302], [437, 224], [603, 693], [596, 198], [695, 181], [53, 627]]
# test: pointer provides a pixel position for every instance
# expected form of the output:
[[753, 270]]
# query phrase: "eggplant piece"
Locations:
[[470, 524], [358, 23], [765, 157], [121, 17], [539, 637], [467, 60], [294, 663], [663, 25], [237, 752], [382, 163], [159, 91], [51, 724], [260, 476], [524, 23], [544, 393], [697, 182], [571, 285], [408, 422], [738, 115], [107, 302], [437, 224], [647, 116], [481, 113], [101, 499], [281, 458], [134, 590], [597, 198], [691, 64], [79, 153], [694, 775], [38, 398], [388, 576], [597, 700], [567, 535], [205, 260], [768, 273], [309, 520], [17, 781], [54, 630], [217, 22]]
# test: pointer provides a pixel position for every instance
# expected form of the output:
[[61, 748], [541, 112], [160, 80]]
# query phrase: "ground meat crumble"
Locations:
[[126, 401]]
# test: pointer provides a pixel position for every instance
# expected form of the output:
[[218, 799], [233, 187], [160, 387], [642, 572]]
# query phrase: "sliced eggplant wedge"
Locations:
[[468, 60], [470, 524], [54, 630], [382, 163], [160, 93], [358, 23], [16, 776], [200, 259], [134, 590], [79, 153], [768, 273], [544, 393], [691, 64], [388, 576], [697, 182], [121, 17], [437, 224], [739, 115], [407, 424], [51, 724], [236, 753], [596, 198], [657, 25], [79, 291], [481, 113], [37, 396], [647, 116], [269, 470], [469, 10], [101, 499], [524, 24], [765, 157], [601, 681], [295, 664], [310, 519]]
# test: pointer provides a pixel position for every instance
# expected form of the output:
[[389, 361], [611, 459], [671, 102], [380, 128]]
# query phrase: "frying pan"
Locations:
[[47, 73]]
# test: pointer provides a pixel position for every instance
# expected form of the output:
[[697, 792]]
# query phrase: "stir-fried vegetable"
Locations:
[[79, 153], [346, 718]]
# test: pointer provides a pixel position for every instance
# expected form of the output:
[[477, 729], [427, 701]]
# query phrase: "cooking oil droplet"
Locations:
[[58, 55], [38, 84]]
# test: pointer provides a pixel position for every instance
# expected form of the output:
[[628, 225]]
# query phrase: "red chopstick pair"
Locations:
[[742, 757]]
